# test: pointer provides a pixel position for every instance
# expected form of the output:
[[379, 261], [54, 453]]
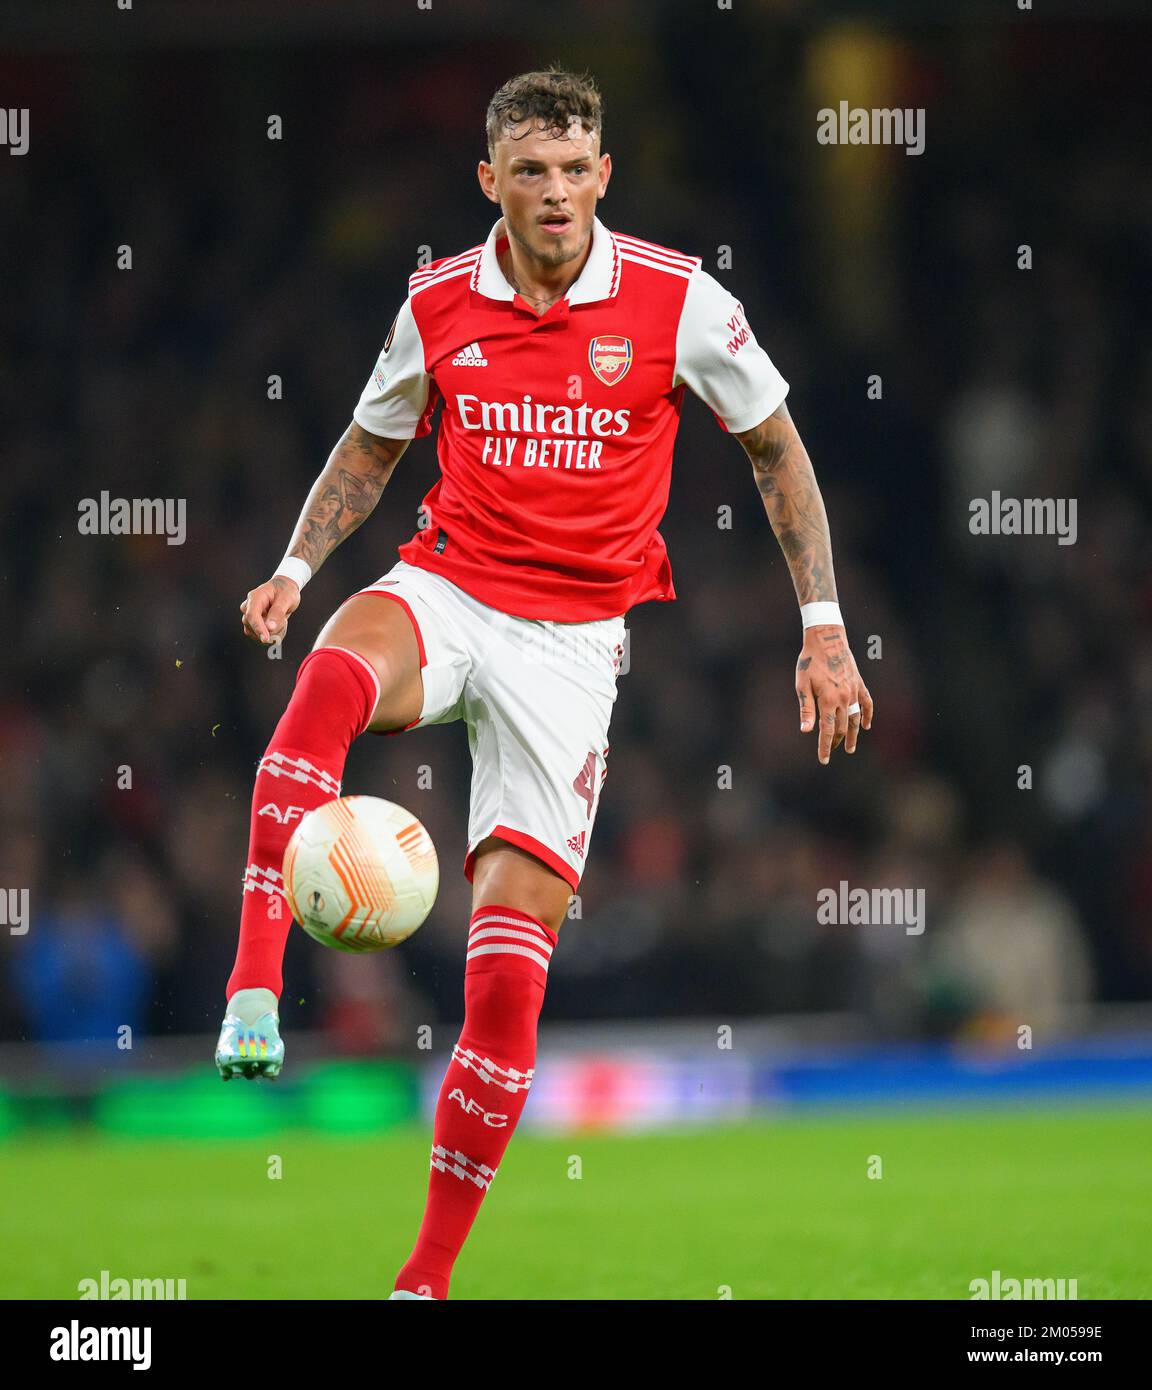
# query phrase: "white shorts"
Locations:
[[537, 698]]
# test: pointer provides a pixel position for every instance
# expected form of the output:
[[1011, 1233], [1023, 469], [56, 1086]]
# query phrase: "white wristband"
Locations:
[[292, 567], [821, 615]]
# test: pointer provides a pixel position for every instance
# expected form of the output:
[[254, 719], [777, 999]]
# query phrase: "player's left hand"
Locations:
[[829, 687]]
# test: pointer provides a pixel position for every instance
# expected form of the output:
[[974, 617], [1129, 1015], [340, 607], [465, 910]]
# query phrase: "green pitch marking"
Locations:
[[772, 1210]]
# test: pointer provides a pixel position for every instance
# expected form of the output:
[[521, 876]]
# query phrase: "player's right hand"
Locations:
[[267, 609]]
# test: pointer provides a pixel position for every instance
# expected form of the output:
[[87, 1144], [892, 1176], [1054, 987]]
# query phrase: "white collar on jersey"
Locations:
[[600, 278]]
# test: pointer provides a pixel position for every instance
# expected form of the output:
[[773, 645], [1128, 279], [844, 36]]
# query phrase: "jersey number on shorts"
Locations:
[[585, 782]]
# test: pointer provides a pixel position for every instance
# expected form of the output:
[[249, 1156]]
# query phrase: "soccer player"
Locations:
[[560, 352]]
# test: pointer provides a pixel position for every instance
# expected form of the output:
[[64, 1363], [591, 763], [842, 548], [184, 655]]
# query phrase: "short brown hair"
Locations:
[[554, 96]]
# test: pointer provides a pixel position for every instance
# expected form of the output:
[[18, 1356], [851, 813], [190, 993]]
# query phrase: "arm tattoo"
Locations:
[[345, 493], [792, 500]]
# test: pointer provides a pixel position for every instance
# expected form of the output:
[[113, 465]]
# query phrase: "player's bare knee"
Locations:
[[513, 877], [381, 633]]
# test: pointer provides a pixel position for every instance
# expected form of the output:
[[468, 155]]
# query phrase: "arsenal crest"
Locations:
[[610, 356]]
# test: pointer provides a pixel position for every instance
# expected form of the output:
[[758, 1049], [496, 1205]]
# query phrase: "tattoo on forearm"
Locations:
[[345, 493], [795, 508]]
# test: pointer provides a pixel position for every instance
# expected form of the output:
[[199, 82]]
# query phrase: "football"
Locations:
[[360, 874]]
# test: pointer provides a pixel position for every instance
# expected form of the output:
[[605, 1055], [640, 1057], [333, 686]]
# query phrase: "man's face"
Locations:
[[548, 188]]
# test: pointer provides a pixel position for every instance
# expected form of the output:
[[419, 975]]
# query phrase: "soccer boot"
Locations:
[[251, 1050]]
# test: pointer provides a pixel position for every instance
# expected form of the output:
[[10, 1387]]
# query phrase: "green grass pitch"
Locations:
[[776, 1209]]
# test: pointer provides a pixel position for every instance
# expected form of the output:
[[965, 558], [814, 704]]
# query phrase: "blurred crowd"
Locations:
[[1008, 771]]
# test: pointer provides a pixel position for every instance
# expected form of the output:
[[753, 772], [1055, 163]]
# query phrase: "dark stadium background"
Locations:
[[255, 257]]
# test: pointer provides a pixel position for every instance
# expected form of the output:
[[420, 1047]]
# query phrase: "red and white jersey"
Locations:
[[556, 436]]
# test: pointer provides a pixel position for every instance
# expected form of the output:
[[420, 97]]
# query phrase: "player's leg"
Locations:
[[363, 673], [503, 873], [538, 723], [518, 905]]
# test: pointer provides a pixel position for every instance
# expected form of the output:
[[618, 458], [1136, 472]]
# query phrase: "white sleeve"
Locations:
[[719, 359], [394, 400]]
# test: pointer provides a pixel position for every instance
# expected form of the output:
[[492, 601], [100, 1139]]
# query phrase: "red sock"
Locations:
[[486, 1085], [335, 694]]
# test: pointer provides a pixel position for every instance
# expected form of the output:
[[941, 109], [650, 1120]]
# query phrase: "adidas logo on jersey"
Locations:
[[471, 356]]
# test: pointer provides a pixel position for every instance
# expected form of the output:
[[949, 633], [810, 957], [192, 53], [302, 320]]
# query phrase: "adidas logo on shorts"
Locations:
[[471, 356], [577, 842]]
